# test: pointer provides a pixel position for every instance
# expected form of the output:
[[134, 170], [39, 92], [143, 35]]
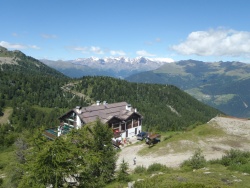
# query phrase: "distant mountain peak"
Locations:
[[119, 67]]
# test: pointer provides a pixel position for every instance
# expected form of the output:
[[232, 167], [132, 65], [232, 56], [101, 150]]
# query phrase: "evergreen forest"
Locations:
[[164, 107]]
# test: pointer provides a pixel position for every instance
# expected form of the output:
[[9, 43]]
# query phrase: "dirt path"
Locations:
[[237, 136], [7, 112], [68, 88], [170, 160]]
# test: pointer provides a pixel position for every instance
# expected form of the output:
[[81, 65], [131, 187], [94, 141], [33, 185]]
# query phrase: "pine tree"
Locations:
[[99, 157], [48, 163], [87, 152], [123, 175], [102, 136]]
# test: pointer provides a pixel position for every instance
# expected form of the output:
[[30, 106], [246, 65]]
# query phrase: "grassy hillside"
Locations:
[[19, 62]]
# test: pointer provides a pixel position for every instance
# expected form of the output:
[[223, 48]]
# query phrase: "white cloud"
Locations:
[[17, 46], [34, 47], [87, 50], [96, 50], [218, 42], [144, 53], [119, 53], [12, 46], [157, 40], [48, 36], [81, 49], [162, 59]]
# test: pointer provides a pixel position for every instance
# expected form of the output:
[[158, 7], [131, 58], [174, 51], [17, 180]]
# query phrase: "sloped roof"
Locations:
[[104, 112]]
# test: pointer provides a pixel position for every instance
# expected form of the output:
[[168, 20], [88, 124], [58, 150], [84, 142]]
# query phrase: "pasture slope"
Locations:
[[214, 138]]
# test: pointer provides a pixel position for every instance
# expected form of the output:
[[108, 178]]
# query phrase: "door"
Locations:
[[135, 131]]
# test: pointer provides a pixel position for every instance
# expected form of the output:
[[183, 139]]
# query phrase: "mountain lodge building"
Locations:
[[124, 120]]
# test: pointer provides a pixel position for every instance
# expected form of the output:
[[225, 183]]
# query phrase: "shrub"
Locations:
[[123, 175], [157, 167], [140, 170], [245, 168], [197, 161], [235, 160], [242, 168], [235, 157]]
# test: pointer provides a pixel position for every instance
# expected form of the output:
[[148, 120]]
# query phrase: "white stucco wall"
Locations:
[[78, 122], [131, 132]]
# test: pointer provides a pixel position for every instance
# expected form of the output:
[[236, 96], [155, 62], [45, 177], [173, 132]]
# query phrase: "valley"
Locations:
[[222, 85]]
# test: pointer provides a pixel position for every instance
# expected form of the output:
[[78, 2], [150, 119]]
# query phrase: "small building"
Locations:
[[124, 120]]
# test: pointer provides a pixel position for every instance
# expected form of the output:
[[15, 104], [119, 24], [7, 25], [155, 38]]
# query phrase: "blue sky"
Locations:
[[207, 30]]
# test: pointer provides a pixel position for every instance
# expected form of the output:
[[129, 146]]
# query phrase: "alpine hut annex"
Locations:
[[124, 120]]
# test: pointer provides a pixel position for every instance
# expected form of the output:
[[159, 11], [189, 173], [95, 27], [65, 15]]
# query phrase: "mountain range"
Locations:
[[115, 67]]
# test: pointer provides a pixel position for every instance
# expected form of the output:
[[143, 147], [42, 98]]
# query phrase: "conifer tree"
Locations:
[[123, 175], [87, 154], [102, 136], [48, 163]]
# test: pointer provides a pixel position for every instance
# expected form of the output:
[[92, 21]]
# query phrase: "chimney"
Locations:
[[97, 103], [135, 110], [78, 109], [128, 107]]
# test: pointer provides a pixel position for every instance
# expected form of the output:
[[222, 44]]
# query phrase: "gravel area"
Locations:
[[237, 136]]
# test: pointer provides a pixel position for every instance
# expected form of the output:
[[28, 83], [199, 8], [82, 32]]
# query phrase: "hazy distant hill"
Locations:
[[223, 85], [114, 67]]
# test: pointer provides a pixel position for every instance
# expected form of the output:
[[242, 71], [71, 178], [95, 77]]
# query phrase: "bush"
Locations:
[[235, 160], [245, 168], [235, 157], [197, 161], [140, 170], [157, 167], [241, 168], [123, 175]]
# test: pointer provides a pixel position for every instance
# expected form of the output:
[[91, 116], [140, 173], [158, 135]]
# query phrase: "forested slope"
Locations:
[[33, 91], [164, 107]]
